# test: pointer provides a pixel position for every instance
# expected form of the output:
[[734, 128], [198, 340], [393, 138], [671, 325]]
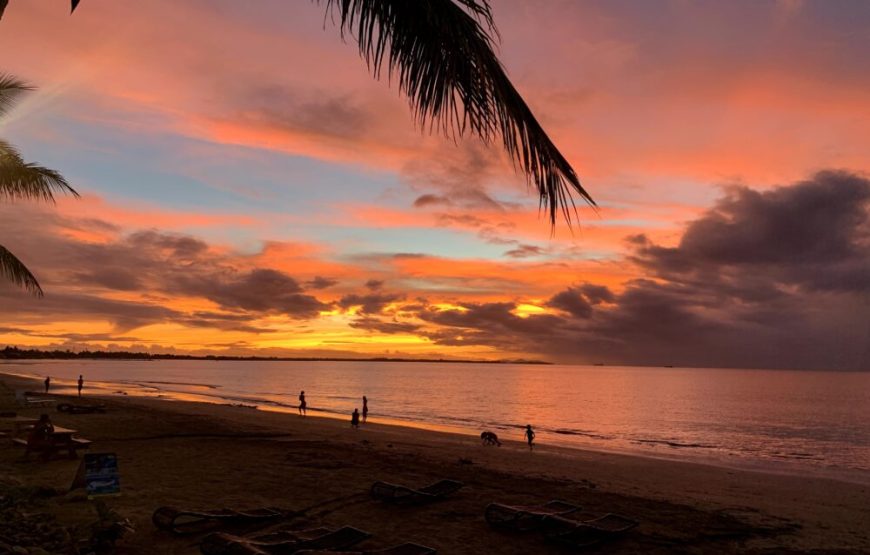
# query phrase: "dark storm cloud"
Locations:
[[776, 278], [80, 337], [219, 321], [495, 318], [182, 265], [162, 265], [374, 284], [372, 303], [525, 251], [384, 326], [181, 248], [259, 290], [813, 234], [572, 302], [772, 278], [320, 283], [124, 315], [121, 279], [596, 294], [579, 300]]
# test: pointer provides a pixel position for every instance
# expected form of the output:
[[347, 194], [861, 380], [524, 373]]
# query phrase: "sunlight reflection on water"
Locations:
[[810, 420]]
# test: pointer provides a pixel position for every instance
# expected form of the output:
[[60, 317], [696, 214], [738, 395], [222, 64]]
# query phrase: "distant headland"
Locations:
[[14, 353]]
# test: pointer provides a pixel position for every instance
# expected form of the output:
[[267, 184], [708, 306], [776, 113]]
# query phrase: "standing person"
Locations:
[[47, 383], [303, 406], [354, 418], [530, 436], [365, 408], [81, 384]]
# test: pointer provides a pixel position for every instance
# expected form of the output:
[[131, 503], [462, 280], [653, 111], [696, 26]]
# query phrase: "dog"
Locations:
[[489, 438]]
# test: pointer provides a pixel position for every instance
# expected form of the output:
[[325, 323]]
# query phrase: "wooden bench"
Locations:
[[54, 445], [17, 424]]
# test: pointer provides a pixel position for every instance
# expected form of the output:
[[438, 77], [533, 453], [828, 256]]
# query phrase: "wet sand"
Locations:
[[198, 455]]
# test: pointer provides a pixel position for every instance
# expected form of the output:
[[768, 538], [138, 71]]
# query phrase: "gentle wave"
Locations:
[[206, 385], [781, 418], [678, 444]]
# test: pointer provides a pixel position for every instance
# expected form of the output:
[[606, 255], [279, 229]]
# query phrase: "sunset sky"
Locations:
[[248, 188]]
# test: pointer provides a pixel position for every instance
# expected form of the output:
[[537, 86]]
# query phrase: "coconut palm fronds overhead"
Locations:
[[73, 5], [22, 180], [15, 271], [441, 53]]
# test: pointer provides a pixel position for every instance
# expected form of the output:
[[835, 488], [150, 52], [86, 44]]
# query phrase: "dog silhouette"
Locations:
[[489, 438]]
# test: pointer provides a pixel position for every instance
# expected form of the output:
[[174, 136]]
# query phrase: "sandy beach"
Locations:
[[197, 455]]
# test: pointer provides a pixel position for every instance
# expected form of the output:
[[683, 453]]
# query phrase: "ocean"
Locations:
[[773, 420]]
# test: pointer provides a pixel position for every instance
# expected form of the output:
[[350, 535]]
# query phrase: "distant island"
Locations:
[[14, 353]]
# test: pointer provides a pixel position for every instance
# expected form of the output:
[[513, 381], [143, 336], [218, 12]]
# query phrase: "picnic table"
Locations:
[[24, 399], [18, 424], [59, 440]]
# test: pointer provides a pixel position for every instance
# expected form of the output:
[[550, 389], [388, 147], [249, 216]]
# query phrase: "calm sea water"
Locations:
[[793, 421]]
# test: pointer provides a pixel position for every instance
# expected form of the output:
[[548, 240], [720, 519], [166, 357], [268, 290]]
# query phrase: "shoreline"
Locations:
[[179, 453], [38, 354], [855, 476]]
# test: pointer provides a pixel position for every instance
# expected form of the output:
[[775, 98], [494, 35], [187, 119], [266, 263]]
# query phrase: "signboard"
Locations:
[[98, 474]]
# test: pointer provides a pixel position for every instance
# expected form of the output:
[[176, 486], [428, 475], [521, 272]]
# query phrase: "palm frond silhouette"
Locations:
[[441, 54], [22, 180]]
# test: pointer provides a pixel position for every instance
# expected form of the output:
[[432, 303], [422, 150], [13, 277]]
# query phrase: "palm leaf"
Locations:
[[441, 52], [20, 179], [3, 3], [15, 271], [10, 87]]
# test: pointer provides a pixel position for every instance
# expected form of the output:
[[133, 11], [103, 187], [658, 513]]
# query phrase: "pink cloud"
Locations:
[[613, 116]]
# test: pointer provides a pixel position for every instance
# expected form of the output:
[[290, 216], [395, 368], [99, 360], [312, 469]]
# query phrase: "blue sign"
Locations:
[[101, 474]]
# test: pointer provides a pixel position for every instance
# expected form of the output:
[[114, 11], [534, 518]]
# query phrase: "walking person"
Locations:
[[354, 418], [530, 436], [365, 408], [81, 384], [47, 383], [303, 406]]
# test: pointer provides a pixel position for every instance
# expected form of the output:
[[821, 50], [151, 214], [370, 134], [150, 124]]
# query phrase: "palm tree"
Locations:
[[441, 54], [22, 180]]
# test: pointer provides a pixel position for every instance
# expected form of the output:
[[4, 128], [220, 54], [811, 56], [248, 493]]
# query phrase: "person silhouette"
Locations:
[[354, 418], [47, 383], [303, 406], [365, 413], [81, 384], [530, 435], [39, 438]]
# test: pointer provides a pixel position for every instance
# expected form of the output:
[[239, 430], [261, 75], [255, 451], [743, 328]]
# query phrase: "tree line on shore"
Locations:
[[16, 353]]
